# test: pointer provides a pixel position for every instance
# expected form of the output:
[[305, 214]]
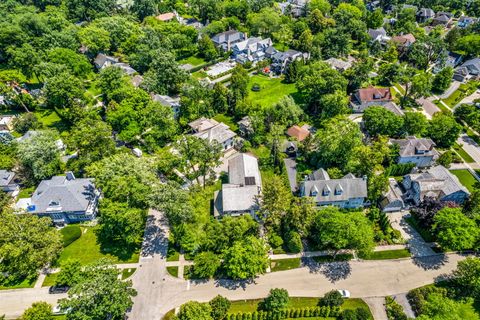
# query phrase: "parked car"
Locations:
[[344, 293], [58, 289]]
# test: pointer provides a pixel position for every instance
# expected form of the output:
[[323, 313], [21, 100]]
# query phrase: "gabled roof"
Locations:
[[239, 198], [220, 133], [426, 13], [64, 193], [243, 170], [166, 100], [347, 188], [405, 39], [438, 181], [298, 133], [373, 94], [228, 36], [6, 177], [202, 124], [101, 59], [418, 147], [375, 33]]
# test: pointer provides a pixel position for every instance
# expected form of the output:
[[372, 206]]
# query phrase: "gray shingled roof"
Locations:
[[6, 177], [71, 195], [220, 133], [236, 198], [241, 167], [439, 181], [411, 145], [350, 188]]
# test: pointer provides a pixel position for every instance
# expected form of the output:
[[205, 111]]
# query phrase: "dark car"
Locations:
[[58, 289]]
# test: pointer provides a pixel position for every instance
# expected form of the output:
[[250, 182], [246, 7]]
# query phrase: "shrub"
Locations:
[[70, 234], [332, 298], [394, 310], [349, 315], [294, 242], [276, 300], [417, 297], [220, 306], [275, 240]]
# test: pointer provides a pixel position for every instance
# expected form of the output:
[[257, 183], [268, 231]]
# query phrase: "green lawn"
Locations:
[[173, 271], [19, 285], [127, 273], [295, 302], [441, 106], [50, 280], [388, 254], [87, 250], [202, 201], [463, 91], [466, 157], [399, 87], [465, 177], [271, 90], [50, 119], [229, 121], [329, 258], [426, 235], [285, 264], [193, 60]]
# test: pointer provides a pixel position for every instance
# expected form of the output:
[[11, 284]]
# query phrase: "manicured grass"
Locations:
[[465, 177], [229, 121], [202, 201], [426, 235], [295, 302], [170, 315], [193, 60], [463, 91], [399, 87], [329, 258], [127, 273], [26, 193], [441, 106], [271, 90], [50, 119], [388, 254], [173, 271], [50, 280], [70, 234], [285, 264], [199, 74], [172, 253], [19, 285], [466, 157], [87, 250]]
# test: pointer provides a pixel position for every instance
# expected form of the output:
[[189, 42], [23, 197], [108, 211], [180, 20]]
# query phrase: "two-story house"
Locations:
[[251, 50], [65, 199], [419, 151], [367, 97], [240, 195], [436, 182], [8, 184], [210, 129], [227, 39], [348, 192], [173, 103]]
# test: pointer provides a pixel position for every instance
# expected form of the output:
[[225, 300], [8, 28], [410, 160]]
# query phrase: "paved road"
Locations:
[[470, 146], [453, 87]]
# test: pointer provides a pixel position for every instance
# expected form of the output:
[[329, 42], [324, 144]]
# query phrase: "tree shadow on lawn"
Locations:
[[119, 250], [333, 271]]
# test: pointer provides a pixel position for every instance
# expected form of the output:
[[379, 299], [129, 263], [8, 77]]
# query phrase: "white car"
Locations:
[[344, 293]]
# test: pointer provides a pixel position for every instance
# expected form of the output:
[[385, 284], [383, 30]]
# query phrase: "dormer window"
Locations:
[[326, 191], [338, 190], [54, 203], [314, 191]]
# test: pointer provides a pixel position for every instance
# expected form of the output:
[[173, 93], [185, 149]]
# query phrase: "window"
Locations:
[[53, 203], [249, 181]]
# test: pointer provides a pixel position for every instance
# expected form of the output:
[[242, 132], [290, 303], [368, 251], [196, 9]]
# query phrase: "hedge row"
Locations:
[[324, 311], [400, 169]]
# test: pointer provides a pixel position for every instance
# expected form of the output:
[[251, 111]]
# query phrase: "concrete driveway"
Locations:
[[429, 107], [470, 146]]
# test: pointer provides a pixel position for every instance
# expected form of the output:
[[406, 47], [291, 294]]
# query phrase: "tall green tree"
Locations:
[[38, 311], [276, 300], [467, 275], [443, 129], [415, 123], [164, 75], [220, 306], [70, 273], [245, 258], [100, 294], [193, 310], [442, 80], [27, 244], [206, 264], [380, 121], [454, 230], [274, 202]]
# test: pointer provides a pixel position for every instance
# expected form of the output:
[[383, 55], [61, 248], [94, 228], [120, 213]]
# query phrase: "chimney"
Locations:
[[70, 176]]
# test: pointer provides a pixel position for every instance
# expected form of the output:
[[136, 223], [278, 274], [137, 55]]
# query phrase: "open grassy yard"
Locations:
[[388, 254], [295, 302], [271, 90], [19, 285], [465, 156], [50, 119], [463, 91], [285, 264], [202, 200], [465, 177], [87, 250], [127, 273], [193, 60], [50, 280], [173, 271], [229, 121]]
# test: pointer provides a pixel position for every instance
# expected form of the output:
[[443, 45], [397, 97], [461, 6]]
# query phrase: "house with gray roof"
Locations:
[[240, 195], [296, 8], [210, 129], [379, 35], [65, 199], [7, 183], [102, 61], [465, 21], [281, 60], [425, 14], [469, 69], [348, 192], [227, 39], [419, 151], [436, 182], [251, 50], [173, 103], [393, 198]]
